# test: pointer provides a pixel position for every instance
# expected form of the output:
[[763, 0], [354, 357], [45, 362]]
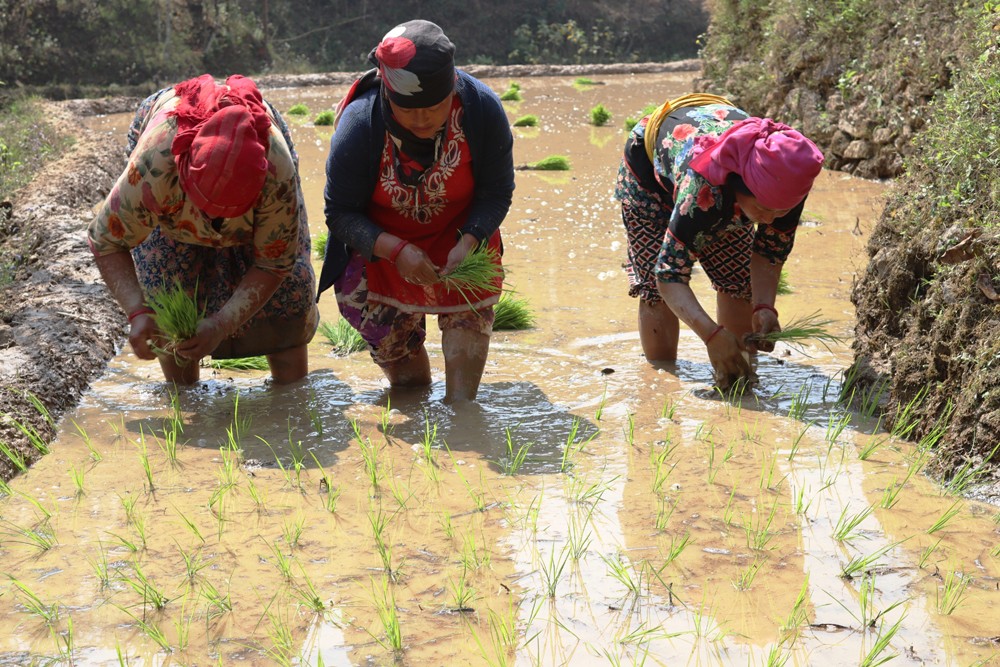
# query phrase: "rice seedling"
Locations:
[[797, 442], [504, 637], [578, 538], [462, 594], [676, 547], [190, 525], [864, 563], [256, 363], [308, 594], [874, 656], [599, 412], [759, 533], [144, 460], [768, 470], [669, 409], [182, 630], [344, 338], [401, 492], [43, 540], [797, 331], [799, 615], [216, 603], [101, 567], [847, 523], [150, 593], [926, 554], [729, 510], [512, 313], [292, 531], [836, 425], [95, 455], [599, 116], [282, 562], [573, 446], [77, 475], [512, 94], [528, 120], [282, 648], [783, 287], [385, 605], [471, 556], [745, 577], [65, 643], [948, 515], [48, 613], [549, 163], [298, 110], [890, 496], [968, 474], [552, 569], [801, 506], [906, 419], [871, 446], [177, 316], [324, 118], [13, 456], [511, 463], [629, 429], [150, 629], [319, 243], [583, 493], [664, 510], [478, 271]]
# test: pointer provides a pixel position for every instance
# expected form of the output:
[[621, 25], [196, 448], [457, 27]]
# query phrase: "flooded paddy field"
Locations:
[[591, 508]]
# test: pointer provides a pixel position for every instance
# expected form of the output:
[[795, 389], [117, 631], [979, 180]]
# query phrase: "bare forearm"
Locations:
[[118, 272], [250, 295], [684, 304]]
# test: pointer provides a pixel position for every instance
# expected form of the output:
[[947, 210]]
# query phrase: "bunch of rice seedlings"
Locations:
[[176, 314], [550, 163], [783, 286], [631, 121], [512, 313], [342, 336], [258, 363], [512, 94], [324, 118], [477, 271], [526, 121], [298, 110], [799, 330], [583, 82], [319, 244], [599, 115]]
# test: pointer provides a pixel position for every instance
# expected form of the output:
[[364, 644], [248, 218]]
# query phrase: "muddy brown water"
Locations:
[[301, 525]]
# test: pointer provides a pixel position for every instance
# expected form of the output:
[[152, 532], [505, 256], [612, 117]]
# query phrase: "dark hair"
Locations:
[[736, 182]]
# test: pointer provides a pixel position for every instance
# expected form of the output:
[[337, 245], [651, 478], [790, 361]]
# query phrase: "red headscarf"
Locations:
[[221, 144], [777, 163]]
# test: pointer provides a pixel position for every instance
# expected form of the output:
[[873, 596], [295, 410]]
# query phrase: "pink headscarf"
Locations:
[[776, 162], [221, 144]]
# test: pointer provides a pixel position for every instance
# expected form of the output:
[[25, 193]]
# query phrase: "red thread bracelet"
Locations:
[[145, 310], [712, 335], [398, 249], [764, 306]]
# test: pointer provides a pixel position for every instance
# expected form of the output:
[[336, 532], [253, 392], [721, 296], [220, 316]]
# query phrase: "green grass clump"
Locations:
[[477, 271], [512, 94], [799, 330], [324, 118], [258, 363], [298, 110], [599, 116], [319, 244], [342, 336], [512, 313], [526, 121], [550, 163]]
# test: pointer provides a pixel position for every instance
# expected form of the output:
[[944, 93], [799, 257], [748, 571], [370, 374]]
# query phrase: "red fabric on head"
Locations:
[[221, 144], [777, 163]]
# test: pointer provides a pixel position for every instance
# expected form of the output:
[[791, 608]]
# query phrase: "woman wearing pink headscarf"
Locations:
[[701, 180], [211, 200]]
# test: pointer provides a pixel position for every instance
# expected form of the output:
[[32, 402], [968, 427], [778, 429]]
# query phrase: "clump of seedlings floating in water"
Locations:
[[529, 120], [342, 336], [298, 110], [319, 244], [177, 316], [258, 363], [478, 271], [512, 94], [600, 116], [512, 313], [324, 118], [550, 163], [798, 331]]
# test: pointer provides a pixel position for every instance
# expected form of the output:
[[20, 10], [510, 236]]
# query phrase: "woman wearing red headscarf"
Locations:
[[420, 173], [211, 200], [697, 176]]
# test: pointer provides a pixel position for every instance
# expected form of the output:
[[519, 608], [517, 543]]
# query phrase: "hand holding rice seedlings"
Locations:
[[512, 313], [477, 272], [177, 316], [799, 330]]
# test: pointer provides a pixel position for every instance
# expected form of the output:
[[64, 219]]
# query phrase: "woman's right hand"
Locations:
[[730, 361], [143, 331], [416, 267]]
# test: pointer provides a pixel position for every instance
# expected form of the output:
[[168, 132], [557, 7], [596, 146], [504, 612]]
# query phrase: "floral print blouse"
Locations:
[[148, 194], [701, 212]]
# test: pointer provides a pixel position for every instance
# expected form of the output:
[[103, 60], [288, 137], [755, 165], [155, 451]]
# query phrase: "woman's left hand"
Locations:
[[208, 336], [465, 245], [763, 321]]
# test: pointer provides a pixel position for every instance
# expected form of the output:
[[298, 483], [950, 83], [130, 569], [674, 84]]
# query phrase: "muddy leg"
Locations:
[[465, 354], [734, 314], [180, 375], [412, 371], [289, 365], [658, 331]]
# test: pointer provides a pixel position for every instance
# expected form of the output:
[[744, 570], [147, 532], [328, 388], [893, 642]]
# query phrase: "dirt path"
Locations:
[[59, 325]]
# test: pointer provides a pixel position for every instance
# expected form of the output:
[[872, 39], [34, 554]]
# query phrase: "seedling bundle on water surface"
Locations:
[[512, 313], [550, 163], [176, 314]]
